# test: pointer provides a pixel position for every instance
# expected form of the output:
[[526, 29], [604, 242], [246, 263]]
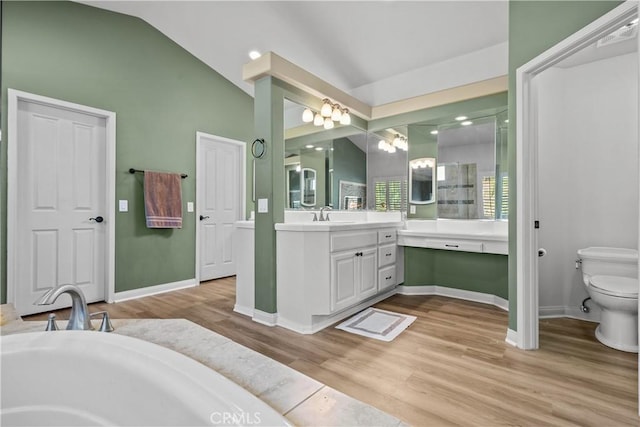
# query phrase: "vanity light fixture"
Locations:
[[329, 113], [307, 115]]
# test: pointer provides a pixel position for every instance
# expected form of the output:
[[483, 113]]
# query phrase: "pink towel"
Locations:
[[163, 199]]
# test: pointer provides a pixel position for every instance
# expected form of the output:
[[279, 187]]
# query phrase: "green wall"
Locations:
[[535, 26], [485, 273], [161, 95]]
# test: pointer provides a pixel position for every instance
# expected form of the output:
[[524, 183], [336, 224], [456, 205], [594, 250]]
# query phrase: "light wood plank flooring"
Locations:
[[451, 367]]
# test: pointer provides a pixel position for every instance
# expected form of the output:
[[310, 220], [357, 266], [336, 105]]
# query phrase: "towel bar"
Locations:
[[132, 170]]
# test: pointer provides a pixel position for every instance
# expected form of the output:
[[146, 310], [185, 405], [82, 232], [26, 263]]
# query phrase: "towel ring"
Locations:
[[258, 148]]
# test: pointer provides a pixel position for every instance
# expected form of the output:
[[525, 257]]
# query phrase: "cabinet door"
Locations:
[[344, 274], [368, 269]]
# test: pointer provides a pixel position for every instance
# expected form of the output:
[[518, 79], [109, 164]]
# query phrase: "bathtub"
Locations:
[[74, 378]]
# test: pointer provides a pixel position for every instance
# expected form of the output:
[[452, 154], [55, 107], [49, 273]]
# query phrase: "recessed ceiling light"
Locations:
[[434, 132], [318, 148], [461, 118], [467, 123], [309, 146], [254, 54], [506, 121]]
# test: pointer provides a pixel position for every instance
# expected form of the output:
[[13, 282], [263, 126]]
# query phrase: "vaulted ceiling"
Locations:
[[378, 51]]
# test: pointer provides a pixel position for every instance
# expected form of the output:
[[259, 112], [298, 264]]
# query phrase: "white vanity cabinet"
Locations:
[[326, 272], [353, 274]]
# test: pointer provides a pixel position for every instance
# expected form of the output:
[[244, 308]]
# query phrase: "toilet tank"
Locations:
[[608, 261]]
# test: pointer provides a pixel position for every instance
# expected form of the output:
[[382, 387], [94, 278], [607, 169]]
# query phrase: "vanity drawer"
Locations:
[[347, 240], [453, 245], [386, 277], [386, 255], [386, 236]]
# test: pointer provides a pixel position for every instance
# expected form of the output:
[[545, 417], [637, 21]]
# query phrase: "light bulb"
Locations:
[[307, 115], [328, 123], [318, 120], [326, 110], [381, 145], [336, 114], [345, 119], [396, 141], [392, 149]]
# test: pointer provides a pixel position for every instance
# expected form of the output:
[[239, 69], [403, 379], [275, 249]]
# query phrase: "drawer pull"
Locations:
[[451, 246], [387, 254], [388, 277], [358, 253], [387, 235]]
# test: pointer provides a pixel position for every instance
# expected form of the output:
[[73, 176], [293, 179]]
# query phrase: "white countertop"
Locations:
[[335, 225], [301, 399], [498, 237]]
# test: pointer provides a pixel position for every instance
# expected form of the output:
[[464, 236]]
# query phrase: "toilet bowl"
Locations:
[[611, 279]]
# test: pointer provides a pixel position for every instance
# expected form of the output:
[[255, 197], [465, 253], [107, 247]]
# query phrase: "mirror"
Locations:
[[335, 161], [387, 151], [422, 183], [308, 187]]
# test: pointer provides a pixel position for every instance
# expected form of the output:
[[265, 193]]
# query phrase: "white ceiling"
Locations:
[[354, 45]]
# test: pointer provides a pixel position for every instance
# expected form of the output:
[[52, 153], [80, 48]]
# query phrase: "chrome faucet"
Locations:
[[324, 218], [79, 318]]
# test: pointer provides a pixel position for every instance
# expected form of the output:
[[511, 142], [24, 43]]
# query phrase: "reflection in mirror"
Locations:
[[387, 169], [337, 156], [308, 187], [466, 166], [422, 184]]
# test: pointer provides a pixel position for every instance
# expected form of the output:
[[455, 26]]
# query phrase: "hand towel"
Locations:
[[163, 199]]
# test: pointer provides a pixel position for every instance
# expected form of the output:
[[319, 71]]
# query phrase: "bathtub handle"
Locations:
[[106, 325]]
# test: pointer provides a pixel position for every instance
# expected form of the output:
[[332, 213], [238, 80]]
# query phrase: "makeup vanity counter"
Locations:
[[483, 236]]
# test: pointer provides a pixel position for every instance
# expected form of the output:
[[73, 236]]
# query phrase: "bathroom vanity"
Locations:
[[329, 270]]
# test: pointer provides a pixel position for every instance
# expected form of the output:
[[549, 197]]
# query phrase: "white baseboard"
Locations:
[[247, 311], [551, 312], [154, 290], [455, 293], [512, 338], [269, 319]]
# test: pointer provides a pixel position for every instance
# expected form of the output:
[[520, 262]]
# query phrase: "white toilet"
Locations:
[[611, 278]]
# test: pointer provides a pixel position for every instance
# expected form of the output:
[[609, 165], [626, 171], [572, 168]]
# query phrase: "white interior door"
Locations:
[[61, 204], [220, 203]]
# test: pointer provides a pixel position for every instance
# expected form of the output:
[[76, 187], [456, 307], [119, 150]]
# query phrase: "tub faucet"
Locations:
[[79, 318], [324, 218]]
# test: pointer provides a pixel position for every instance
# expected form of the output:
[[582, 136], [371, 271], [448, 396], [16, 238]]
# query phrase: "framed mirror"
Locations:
[[422, 183], [308, 187]]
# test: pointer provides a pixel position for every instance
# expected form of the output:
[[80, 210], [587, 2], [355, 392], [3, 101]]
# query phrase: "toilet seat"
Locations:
[[623, 287]]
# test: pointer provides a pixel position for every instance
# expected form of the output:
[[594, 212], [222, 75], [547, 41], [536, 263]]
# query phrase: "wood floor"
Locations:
[[451, 367]]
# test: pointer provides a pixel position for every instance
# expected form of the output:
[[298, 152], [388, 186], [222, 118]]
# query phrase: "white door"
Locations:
[[220, 203], [60, 189]]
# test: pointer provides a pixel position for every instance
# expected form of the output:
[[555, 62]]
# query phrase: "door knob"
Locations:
[[202, 217], [97, 219], [542, 252]]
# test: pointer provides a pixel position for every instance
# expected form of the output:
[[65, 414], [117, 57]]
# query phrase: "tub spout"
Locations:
[[79, 318]]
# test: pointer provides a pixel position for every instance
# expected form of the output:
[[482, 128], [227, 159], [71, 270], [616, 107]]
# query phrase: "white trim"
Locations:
[[200, 177], [553, 312], [526, 164], [13, 96], [512, 337], [455, 293], [154, 290], [243, 309], [262, 317]]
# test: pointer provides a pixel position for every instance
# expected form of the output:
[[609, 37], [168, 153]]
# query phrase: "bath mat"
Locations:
[[379, 324]]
